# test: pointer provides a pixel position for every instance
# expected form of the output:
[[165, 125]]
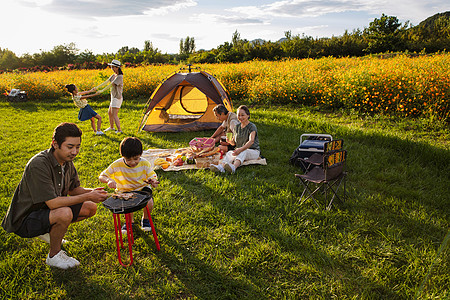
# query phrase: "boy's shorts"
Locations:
[[37, 222]]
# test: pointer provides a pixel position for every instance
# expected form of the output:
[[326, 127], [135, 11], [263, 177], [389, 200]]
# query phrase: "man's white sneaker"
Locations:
[[109, 129], [99, 133], [46, 238], [62, 261], [216, 168], [230, 168]]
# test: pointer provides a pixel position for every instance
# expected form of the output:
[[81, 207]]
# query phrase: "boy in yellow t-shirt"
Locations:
[[131, 172]]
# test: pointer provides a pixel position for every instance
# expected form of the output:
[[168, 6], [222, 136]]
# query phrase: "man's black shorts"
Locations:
[[37, 222]]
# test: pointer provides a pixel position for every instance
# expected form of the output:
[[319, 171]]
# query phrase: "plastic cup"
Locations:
[[229, 136]]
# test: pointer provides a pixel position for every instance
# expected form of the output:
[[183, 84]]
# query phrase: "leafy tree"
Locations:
[[187, 47], [8, 60], [85, 56], [297, 47], [383, 35]]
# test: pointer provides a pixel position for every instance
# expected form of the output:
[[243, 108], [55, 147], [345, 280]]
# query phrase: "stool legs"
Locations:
[[130, 237], [153, 229], [119, 241]]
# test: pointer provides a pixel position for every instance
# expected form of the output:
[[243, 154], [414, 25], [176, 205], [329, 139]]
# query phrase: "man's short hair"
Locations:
[[64, 130], [130, 147], [220, 109]]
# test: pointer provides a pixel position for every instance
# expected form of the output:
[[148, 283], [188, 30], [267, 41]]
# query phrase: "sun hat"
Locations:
[[115, 63]]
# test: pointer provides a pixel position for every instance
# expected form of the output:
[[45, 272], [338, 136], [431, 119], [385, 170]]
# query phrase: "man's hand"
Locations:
[[97, 195]]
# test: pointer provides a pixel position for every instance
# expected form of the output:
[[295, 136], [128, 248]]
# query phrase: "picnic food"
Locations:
[[163, 163], [160, 161], [208, 153], [164, 154], [178, 162], [123, 196]]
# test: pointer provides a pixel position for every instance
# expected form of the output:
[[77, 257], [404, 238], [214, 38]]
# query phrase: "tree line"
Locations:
[[384, 34]]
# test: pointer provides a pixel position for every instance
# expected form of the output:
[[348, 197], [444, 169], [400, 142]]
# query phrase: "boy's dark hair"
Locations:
[[130, 147], [220, 109], [70, 88], [64, 130]]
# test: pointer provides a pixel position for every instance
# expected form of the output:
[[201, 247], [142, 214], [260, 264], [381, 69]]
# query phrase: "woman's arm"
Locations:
[[247, 145], [106, 82]]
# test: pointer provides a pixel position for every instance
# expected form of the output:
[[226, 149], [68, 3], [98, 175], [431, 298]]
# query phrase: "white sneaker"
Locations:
[[119, 131], [109, 129], [230, 168], [62, 261], [46, 238], [217, 168], [99, 133]]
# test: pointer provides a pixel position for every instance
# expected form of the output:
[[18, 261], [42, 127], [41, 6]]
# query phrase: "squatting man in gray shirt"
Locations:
[[49, 196]]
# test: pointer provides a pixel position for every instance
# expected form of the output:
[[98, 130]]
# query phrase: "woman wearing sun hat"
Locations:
[[116, 82]]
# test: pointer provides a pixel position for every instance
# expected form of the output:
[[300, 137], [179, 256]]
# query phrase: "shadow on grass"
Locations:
[[200, 278], [410, 175], [24, 106], [264, 228]]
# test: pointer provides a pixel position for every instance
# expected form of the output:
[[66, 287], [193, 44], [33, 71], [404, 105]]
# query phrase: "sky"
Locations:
[[99, 26]]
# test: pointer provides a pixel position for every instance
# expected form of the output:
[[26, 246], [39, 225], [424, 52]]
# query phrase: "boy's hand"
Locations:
[[153, 182], [112, 184]]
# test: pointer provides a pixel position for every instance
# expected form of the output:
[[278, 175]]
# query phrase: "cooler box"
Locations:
[[311, 143]]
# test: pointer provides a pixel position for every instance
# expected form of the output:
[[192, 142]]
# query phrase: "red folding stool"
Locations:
[[118, 207]]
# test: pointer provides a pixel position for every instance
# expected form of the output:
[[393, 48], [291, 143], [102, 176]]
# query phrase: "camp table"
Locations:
[[119, 206]]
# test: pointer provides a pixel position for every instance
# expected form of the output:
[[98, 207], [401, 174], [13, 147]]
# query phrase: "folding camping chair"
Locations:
[[316, 159], [329, 177]]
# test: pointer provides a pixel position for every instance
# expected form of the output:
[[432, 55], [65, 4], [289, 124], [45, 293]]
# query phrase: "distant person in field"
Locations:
[[49, 197], [86, 112], [116, 83], [229, 121], [246, 142]]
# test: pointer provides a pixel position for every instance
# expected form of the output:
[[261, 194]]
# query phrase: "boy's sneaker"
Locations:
[[62, 261], [109, 129], [145, 225], [124, 227], [99, 133], [216, 168], [230, 168], [46, 238], [119, 131]]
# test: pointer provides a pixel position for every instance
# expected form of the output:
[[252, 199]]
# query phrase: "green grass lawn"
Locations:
[[245, 236]]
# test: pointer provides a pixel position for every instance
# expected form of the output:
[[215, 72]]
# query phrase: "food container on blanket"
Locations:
[[205, 162], [199, 144]]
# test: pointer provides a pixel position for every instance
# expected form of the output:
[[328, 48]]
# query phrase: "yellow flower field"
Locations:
[[401, 86]]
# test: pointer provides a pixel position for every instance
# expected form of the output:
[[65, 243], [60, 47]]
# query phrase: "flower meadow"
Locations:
[[402, 85]]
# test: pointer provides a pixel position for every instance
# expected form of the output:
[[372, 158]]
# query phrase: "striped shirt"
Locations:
[[130, 179]]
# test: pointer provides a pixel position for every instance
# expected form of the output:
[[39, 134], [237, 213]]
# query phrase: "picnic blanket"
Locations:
[[152, 154]]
